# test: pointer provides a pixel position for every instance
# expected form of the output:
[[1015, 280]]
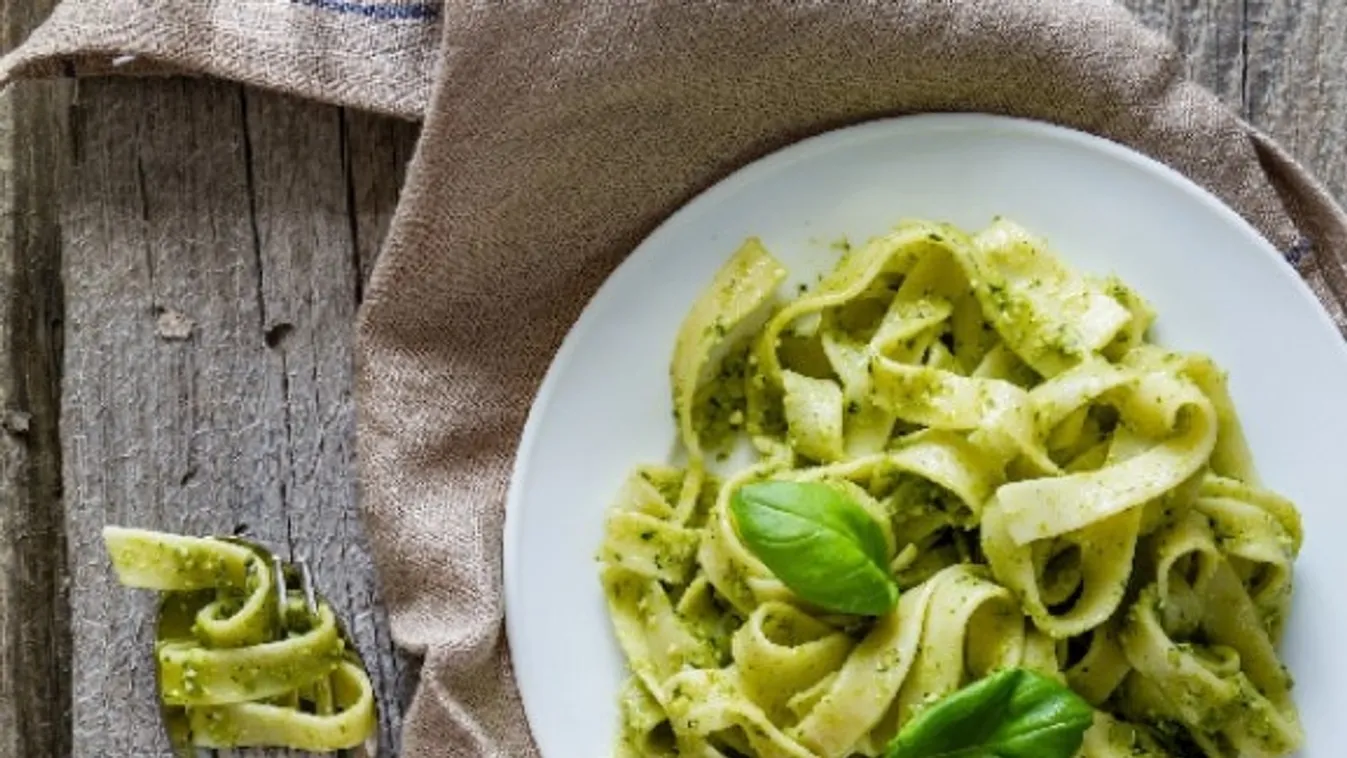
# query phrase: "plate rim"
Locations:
[[993, 123]]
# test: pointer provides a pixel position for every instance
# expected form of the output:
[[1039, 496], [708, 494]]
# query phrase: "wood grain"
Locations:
[[177, 435], [1297, 92], [1282, 64], [1210, 36], [377, 152], [232, 209], [34, 628], [214, 242], [308, 243]]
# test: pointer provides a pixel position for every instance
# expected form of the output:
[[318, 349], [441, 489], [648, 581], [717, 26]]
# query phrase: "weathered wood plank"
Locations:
[[174, 434], [1282, 64], [1297, 81], [377, 152], [1210, 36], [308, 229], [229, 210], [34, 627]]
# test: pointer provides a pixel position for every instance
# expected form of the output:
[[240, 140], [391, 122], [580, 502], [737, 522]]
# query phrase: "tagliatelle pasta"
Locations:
[[238, 666], [1055, 493]]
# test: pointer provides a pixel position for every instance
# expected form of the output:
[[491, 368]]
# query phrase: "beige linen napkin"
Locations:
[[558, 133], [379, 55]]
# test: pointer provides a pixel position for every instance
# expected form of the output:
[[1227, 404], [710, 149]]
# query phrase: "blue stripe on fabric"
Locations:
[[377, 11]]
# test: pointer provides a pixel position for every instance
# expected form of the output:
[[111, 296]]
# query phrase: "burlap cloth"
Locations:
[[556, 134]]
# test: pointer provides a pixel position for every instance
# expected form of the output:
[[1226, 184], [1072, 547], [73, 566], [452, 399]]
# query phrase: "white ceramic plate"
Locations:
[[1218, 286]]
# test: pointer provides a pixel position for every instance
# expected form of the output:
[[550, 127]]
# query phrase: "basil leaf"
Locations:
[[821, 544], [1014, 713]]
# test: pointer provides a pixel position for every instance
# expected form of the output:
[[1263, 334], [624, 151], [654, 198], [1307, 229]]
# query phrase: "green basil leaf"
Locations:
[[821, 544], [1014, 713]]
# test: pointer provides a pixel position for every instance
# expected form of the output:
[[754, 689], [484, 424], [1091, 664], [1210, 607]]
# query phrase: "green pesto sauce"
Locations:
[[721, 409]]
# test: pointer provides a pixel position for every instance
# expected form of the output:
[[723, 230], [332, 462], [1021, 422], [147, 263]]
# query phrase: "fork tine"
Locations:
[[278, 571], [306, 582]]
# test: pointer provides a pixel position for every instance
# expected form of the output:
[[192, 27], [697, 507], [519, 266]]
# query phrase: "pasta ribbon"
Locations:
[[177, 563], [238, 666], [1048, 315], [1049, 507], [348, 721], [1053, 492], [734, 304], [190, 674]]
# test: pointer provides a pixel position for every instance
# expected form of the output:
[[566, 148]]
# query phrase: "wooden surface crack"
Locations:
[[352, 214], [271, 334], [1244, 111]]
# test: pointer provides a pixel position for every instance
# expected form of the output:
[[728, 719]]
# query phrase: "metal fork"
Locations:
[[178, 735]]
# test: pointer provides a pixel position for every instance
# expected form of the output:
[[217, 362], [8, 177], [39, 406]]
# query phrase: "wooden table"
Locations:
[[180, 265]]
